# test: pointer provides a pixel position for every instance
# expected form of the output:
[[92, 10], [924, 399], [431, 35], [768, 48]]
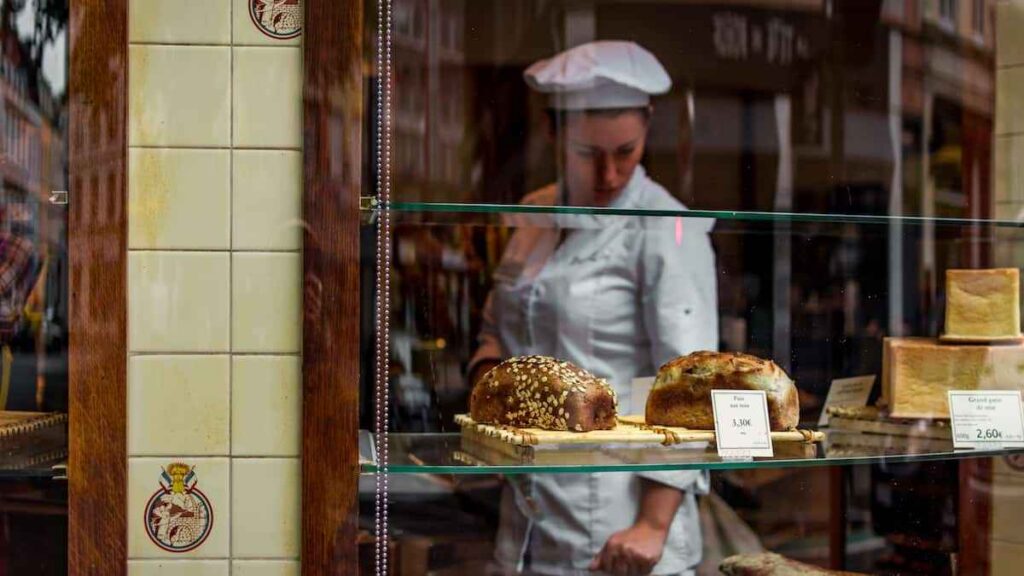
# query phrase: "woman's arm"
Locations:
[[488, 354], [637, 549]]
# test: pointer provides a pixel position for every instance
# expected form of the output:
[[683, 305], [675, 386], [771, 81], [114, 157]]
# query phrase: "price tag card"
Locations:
[[986, 419], [742, 428], [847, 392]]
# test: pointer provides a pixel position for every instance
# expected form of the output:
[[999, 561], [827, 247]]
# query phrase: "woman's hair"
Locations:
[[557, 118]]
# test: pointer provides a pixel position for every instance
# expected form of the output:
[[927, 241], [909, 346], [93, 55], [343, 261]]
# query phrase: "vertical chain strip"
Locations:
[[389, 87], [383, 280]]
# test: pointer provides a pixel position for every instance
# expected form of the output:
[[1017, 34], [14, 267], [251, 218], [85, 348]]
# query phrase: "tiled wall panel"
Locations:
[[215, 224], [1007, 491]]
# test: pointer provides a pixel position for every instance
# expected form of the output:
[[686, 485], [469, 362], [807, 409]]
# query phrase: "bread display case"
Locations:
[[614, 255]]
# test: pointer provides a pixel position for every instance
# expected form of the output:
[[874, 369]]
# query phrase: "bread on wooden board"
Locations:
[[543, 392], [681, 395]]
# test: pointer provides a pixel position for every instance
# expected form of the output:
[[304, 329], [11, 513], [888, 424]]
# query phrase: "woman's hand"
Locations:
[[637, 549], [632, 552]]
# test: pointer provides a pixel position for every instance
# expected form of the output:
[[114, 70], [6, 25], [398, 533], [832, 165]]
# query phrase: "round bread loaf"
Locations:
[[681, 395], [542, 392]]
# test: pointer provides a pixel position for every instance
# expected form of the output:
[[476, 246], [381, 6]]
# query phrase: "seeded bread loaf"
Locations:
[[542, 392], [681, 395]]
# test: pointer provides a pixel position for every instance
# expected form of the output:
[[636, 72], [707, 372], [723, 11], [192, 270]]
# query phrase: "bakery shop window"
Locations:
[[603, 211], [784, 109], [33, 285]]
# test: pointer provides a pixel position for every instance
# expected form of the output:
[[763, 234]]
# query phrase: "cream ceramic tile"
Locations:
[[1009, 95], [1009, 169], [180, 21], [1005, 558], [266, 406], [1007, 508], [247, 31], [267, 98], [1002, 466], [267, 197], [265, 568], [1009, 23], [266, 302], [178, 405], [266, 505], [179, 199], [178, 302], [179, 96], [178, 568], [205, 533], [1009, 211]]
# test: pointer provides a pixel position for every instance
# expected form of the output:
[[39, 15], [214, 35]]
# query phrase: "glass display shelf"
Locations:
[[33, 445], [446, 453], [440, 208], [47, 465]]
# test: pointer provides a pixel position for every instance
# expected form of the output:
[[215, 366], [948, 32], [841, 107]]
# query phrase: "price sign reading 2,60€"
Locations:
[[742, 428], [986, 419]]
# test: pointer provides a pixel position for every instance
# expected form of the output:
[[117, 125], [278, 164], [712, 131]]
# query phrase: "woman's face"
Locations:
[[599, 154]]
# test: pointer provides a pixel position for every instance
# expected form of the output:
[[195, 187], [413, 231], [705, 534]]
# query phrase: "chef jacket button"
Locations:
[[687, 311]]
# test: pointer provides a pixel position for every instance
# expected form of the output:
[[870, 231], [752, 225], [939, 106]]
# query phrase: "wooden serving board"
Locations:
[[884, 426], [687, 435], [630, 433]]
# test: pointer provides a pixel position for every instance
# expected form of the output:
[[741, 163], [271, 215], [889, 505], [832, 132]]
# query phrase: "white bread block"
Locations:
[[917, 373], [983, 303]]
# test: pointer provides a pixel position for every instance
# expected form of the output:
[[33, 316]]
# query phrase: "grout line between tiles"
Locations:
[[211, 353], [211, 45], [231, 280], [229, 148], [228, 457], [214, 251]]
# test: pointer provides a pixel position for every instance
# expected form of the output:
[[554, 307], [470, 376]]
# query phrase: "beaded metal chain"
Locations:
[[383, 280]]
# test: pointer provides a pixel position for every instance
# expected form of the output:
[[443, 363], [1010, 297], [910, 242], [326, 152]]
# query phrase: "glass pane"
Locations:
[[798, 106], [33, 286], [420, 453], [617, 184]]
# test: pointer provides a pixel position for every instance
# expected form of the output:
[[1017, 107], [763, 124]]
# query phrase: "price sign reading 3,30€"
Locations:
[[742, 428], [986, 419]]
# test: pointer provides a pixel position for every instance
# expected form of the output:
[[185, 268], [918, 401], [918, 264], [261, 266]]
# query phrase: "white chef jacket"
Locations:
[[619, 297]]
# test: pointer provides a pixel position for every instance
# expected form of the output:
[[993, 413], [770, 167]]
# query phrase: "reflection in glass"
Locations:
[[33, 282], [878, 114]]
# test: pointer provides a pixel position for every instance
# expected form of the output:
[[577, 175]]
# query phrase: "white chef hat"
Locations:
[[599, 76]]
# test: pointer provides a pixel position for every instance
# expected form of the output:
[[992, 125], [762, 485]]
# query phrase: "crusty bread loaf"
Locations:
[[542, 392], [771, 564], [681, 395]]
